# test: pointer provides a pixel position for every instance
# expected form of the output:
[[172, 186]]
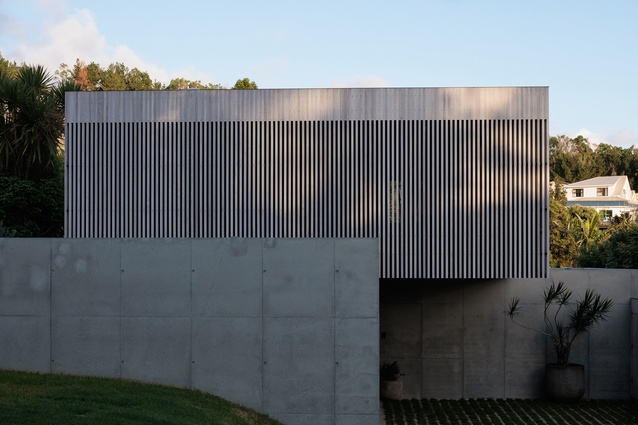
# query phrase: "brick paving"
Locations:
[[506, 412]]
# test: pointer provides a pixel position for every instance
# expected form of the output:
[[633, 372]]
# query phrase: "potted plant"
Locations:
[[564, 321], [391, 386]]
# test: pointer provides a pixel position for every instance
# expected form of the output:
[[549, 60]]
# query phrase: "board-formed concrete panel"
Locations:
[[227, 358], [157, 349], [25, 343], [609, 355], [85, 277], [525, 356], [156, 277], [290, 290], [483, 346], [299, 365], [357, 361], [355, 268], [25, 285], [86, 346], [442, 328], [401, 331], [227, 277]]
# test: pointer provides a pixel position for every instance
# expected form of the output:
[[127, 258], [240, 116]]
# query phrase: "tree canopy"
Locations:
[[31, 161], [245, 84], [574, 159], [31, 122], [117, 76]]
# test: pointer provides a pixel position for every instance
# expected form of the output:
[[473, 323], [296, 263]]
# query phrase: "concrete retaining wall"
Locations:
[[288, 327], [454, 341]]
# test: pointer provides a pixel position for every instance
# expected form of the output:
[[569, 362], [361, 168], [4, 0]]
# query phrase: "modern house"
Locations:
[[453, 181], [253, 244], [610, 195]]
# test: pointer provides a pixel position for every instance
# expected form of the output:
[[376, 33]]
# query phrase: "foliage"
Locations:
[[245, 84], [564, 326], [390, 371], [117, 76], [618, 249], [29, 399], [32, 208], [574, 159], [31, 122], [6, 233], [557, 192], [572, 230], [8, 68], [184, 84]]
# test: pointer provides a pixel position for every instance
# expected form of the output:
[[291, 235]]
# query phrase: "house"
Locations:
[[217, 237], [610, 195], [451, 180]]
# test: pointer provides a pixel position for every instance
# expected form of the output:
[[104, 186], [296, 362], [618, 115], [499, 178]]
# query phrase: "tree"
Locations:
[[114, 77], [117, 76], [572, 160], [184, 84], [32, 208], [616, 249], [573, 230], [245, 84], [8, 68], [562, 237], [138, 80], [94, 74], [31, 122]]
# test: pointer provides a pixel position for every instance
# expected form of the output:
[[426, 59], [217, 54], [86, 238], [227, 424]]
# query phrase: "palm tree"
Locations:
[[31, 122]]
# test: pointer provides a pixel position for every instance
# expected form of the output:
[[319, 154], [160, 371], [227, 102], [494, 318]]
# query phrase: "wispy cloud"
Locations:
[[51, 36], [623, 139]]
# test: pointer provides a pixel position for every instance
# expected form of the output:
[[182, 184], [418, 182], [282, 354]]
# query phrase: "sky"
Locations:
[[585, 51]]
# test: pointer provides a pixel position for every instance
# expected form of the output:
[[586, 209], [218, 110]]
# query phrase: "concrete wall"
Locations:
[[453, 339], [286, 326]]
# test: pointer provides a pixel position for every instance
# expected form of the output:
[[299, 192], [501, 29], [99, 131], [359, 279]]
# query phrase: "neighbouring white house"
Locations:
[[610, 194]]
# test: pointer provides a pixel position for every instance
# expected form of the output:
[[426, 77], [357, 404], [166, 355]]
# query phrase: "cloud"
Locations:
[[76, 36], [51, 38], [359, 81], [624, 138]]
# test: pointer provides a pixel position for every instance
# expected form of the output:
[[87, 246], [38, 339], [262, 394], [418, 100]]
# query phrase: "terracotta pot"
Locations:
[[565, 383], [392, 390]]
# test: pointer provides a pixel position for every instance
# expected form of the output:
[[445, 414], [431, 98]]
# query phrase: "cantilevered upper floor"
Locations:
[[452, 180]]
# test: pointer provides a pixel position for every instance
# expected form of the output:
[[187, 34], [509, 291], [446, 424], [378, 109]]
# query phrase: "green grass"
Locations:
[[43, 399], [511, 412]]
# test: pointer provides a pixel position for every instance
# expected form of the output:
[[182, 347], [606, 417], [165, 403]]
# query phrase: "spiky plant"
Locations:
[[563, 324]]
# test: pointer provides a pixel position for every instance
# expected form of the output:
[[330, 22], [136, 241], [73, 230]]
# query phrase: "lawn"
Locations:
[[30, 398]]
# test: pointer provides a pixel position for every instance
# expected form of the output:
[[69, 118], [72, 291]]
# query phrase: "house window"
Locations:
[[606, 215], [601, 191], [577, 193]]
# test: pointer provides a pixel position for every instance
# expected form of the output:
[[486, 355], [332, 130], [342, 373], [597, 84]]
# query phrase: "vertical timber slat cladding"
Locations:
[[452, 181]]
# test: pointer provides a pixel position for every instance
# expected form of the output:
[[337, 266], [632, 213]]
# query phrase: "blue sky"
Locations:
[[585, 51]]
